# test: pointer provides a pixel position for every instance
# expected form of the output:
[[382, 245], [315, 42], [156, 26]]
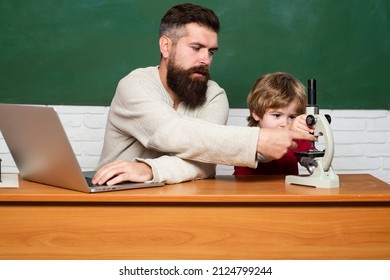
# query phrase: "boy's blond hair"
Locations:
[[273, 91]]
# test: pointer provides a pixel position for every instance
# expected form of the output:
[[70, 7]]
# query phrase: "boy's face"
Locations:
[[278, 118]]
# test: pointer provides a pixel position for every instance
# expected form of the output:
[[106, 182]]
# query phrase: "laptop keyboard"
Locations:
[[89, 182]]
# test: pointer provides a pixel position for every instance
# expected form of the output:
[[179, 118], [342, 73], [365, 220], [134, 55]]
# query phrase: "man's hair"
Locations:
[[179, 16], [273, 91]]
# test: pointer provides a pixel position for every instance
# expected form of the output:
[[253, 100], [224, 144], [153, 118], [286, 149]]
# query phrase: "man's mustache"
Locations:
[[202, 69]]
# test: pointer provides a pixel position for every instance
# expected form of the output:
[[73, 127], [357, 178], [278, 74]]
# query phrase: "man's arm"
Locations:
[[272, 144], [158, 127]]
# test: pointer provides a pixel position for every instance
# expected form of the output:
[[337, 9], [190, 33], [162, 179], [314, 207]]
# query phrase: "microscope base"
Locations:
[[319, 179]]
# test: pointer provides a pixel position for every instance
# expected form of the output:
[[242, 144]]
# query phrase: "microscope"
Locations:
[[318, 163]]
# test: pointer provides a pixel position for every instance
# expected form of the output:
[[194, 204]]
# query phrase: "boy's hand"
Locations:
[[299, 124]]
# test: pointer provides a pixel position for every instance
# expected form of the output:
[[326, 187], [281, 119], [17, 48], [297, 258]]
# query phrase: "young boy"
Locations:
[[278, 100]]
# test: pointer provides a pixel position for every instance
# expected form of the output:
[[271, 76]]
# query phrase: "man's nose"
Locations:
[[205, 57]]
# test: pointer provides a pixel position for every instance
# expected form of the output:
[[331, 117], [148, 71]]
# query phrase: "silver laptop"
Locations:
[[42, 152]]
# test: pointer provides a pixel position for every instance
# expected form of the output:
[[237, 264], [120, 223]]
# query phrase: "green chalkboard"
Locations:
[[75, 52]]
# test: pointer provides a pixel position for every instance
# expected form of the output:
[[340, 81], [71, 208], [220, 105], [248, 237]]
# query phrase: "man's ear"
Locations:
[[165, 46]]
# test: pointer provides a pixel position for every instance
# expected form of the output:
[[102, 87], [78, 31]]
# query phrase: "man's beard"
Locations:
[[190, 90]]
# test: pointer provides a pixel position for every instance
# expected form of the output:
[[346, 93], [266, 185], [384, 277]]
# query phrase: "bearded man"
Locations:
[[168, 123]]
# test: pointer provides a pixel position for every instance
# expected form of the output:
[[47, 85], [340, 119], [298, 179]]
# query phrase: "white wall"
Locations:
[[362, 138]]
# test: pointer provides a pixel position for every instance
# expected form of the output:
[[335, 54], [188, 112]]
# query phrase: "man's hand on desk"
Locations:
[[273, 143], [121, 171]]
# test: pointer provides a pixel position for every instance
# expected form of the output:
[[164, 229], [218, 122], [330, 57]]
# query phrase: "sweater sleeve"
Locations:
[[172, 169]]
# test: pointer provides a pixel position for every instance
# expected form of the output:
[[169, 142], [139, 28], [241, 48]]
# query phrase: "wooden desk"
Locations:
[[224, 218]]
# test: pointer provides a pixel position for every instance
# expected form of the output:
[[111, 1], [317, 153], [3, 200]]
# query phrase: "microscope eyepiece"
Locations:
[[312, 92]]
